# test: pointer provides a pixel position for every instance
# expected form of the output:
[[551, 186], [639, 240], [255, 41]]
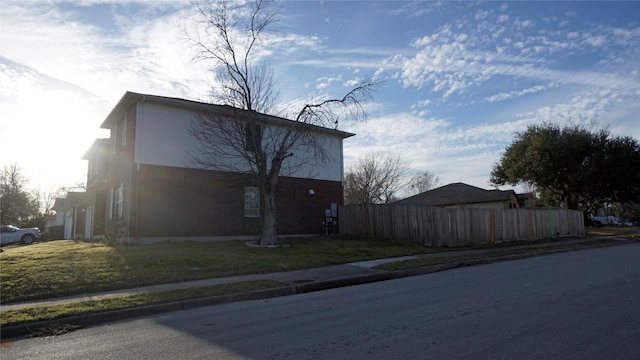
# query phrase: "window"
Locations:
[[251, 201], [96, 165], [117, 200], [253, 137], [123, 131], [109, 201], [114, 138]]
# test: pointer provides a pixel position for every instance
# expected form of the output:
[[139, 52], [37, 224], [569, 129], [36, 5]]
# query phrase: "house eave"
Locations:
[[97, 143], [129, 98]]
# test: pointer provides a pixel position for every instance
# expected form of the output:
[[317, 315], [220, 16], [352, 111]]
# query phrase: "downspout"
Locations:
[[136, 182], [136, 175], [75, 222], [342, 171]]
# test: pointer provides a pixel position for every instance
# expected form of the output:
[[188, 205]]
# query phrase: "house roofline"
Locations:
[[487, 196], [92, 148], [129, 98]]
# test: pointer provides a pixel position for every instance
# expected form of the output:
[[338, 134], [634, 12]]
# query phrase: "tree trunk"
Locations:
[[269, 224], [572, 202]]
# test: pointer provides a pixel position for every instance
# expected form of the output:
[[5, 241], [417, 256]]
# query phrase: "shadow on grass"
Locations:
[[62, 268]]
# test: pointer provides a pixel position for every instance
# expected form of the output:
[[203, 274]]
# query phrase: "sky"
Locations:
[[459, 79]]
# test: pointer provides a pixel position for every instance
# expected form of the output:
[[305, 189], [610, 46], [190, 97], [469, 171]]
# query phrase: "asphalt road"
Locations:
[[576, 305]]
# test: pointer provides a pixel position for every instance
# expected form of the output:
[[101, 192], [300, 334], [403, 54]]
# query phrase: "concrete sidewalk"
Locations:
[[299, 281], [294, 277]]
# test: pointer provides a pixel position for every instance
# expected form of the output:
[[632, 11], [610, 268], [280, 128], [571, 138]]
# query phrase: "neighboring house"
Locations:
[[459, 195], [56, 220], [70, 212], [527, 200], [142, 180], [49, 222]]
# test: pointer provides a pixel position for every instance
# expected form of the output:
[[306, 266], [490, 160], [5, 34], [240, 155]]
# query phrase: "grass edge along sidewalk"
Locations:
[[55, 319], [64, 268]]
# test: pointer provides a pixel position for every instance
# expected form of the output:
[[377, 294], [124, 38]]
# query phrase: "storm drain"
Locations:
[[305, 281]]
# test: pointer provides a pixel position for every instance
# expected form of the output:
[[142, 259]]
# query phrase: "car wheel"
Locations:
[[27, 239], [597, 224]]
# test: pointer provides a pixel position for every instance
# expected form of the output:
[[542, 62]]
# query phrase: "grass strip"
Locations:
[[65, 267], [52, 312], [429, 261], [62, 268], [631, 233]]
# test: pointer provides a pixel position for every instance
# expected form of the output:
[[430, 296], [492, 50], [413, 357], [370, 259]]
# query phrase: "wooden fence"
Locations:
[[437, 227]]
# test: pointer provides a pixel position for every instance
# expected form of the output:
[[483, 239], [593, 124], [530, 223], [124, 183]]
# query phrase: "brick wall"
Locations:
[[187, 202], [300, 212]]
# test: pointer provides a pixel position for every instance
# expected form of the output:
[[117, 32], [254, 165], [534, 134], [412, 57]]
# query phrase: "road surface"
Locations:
[[576, 305]]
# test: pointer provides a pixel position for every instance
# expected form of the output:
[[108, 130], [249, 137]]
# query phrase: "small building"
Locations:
[[55, 221], [460, 195], [70, 212], [143, 182]]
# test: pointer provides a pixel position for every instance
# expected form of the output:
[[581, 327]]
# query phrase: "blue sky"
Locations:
[[460, 78]]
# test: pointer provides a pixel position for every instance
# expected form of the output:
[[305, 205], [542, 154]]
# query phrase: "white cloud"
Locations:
[[525, 24], [352, 82], [589, 106], [325, 82], [596, 41], [455, 153], [452, 62], [516, 93], [482, 14], [145, 55]]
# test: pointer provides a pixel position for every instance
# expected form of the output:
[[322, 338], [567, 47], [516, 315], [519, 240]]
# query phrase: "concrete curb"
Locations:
[[22, 330], [142, 311]]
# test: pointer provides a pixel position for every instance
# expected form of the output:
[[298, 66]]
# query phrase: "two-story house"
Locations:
[[143, 178]]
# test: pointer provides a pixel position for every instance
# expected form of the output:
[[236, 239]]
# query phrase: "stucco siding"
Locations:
[[162, 139]]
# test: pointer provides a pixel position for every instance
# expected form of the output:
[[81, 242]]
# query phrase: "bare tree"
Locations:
[[375, 178], [48, 197], [424, 181], [244, 139]]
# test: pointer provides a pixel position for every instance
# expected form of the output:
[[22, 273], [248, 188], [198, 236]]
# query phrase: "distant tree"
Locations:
[[423, 181], [629, 211], [230, 39], [572, 165], [18, 205], [48, 197], [375, 178]]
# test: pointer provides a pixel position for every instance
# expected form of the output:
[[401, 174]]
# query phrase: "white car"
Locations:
[[10, 234], [599, 221]]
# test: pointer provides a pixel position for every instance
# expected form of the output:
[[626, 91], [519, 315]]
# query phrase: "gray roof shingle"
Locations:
[[456, 194]]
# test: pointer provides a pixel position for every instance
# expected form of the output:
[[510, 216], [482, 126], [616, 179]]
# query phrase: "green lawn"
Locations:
[[618, 231], [49, 312], [417, 263], [61, 268]]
